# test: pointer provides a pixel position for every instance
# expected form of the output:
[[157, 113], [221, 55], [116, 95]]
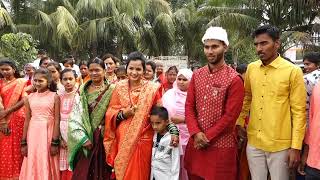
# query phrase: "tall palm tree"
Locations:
[[294, 18], [190, 26], [6, 22], [156, 35], [117, 26]]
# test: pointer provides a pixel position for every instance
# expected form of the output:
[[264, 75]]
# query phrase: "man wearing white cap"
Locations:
[[213, 104]]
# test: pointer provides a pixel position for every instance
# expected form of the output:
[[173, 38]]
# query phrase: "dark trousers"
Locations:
[[312, 173]]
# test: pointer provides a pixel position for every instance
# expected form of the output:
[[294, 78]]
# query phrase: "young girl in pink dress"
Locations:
[[67, 100], [40, 140]]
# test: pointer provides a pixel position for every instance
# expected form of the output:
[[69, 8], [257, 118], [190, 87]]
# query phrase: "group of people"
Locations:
[[103, 120]]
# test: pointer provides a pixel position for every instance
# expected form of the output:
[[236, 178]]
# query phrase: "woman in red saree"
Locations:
[[12, 89], [171, 76], [128, 133]]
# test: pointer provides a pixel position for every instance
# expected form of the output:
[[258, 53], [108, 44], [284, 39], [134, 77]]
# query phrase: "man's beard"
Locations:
[[217, 60]]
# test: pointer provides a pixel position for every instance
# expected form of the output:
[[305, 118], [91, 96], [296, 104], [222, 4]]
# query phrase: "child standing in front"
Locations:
[[40, 140], [165, 162], [67, 100]]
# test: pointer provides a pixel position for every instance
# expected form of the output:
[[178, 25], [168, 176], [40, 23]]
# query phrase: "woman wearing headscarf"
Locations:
[[174, 101]]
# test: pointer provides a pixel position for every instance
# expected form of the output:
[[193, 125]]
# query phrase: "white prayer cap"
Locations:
[[217, 33]]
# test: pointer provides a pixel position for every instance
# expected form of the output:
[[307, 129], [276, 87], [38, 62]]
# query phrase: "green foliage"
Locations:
[[156, 27], [20, 47]]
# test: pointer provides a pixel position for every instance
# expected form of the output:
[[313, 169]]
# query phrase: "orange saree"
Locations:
[[10, 156], [128, 145]]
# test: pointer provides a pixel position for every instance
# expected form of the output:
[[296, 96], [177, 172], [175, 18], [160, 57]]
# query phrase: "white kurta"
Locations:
[[165, 164]]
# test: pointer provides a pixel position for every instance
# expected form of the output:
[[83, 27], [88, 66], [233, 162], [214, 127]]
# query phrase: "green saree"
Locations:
[[84, 120]]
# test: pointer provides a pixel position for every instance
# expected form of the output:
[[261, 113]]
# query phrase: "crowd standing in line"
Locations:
[[104, 120]]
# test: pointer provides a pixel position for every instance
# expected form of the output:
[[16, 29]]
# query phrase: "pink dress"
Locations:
[[313, 136], [39, 164], [66, 104]]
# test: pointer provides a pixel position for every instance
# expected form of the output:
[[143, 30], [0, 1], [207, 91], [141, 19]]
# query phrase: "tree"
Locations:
[[294, 18], [19, 47], [155, 27], [190, 26], [156, 34], [6, 22], [94, 27]]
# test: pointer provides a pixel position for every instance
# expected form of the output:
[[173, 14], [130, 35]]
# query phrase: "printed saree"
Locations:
[[128, 146], [84, 124], [10, 156]]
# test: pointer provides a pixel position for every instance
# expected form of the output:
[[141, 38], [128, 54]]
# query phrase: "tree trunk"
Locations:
[[94, 50]]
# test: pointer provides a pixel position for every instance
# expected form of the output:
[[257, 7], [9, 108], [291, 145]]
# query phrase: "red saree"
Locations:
[[10, 156], [128, 146]]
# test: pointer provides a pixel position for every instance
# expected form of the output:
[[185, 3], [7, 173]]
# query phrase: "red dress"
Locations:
[[213, 104]]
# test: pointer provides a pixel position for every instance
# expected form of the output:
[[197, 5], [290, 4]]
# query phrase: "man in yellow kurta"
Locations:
[[275, 98]]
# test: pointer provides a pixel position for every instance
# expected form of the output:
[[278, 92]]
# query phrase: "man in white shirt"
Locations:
[[41, 53]]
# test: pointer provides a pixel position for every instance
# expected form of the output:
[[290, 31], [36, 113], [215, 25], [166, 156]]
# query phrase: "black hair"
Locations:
[[160, 111], [42, 52], [51, 84], [242, 68], [56, 65], [83, 63], [289, 60], [137, 56], [97, 61], [174, 68], [153, 65], [313, 57], [108, 55], [121, 68], [194, 67], [68, 61], [66, 71], [272, 31], [7, 61], [43, 59]]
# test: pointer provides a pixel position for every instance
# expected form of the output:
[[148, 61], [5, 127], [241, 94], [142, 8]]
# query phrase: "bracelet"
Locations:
[[120, 116], [55, 142], [23, 142]]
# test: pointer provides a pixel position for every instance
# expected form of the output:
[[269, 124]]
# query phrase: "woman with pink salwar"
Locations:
[[174, 100]]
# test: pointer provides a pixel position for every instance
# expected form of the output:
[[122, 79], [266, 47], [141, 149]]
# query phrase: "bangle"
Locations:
[[120, 116], [23, 142], [55, 142]]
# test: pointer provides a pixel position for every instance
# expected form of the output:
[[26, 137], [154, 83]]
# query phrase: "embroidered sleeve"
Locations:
[[173, 129]]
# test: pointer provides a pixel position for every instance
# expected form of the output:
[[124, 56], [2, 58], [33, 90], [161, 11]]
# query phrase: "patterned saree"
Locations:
[[128, 145], [86, 123]]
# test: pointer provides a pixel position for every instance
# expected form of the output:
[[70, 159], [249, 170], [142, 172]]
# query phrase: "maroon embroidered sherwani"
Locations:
[[213, 104]]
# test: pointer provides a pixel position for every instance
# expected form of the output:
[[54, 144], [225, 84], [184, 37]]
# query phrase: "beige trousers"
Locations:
[[261, 161]]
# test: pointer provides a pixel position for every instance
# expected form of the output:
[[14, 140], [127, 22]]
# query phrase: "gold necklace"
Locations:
[[97, 87], [8, 81]]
